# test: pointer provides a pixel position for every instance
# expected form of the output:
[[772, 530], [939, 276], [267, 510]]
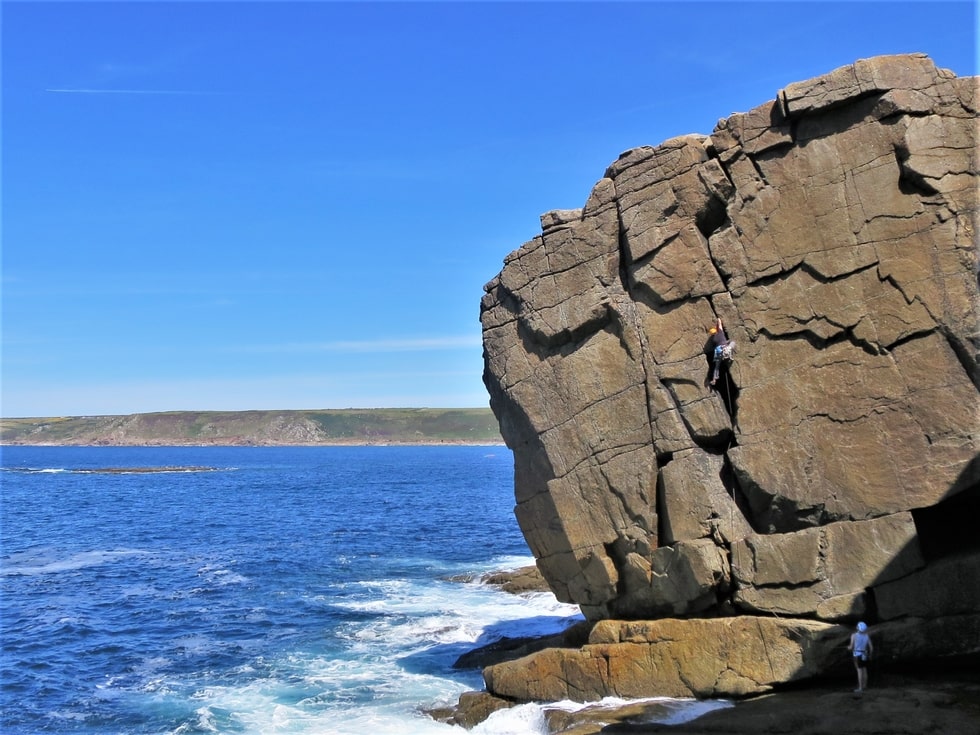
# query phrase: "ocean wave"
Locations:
[[35, 470], [41, 563], [219, 576], [116, 470], [531, 718]]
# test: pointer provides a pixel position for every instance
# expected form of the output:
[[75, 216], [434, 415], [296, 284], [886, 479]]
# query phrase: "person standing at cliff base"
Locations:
[[861, 649]]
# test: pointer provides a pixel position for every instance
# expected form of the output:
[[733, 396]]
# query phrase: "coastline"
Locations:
[[252, 443], [938, 695], [286, 428], [941, 698]]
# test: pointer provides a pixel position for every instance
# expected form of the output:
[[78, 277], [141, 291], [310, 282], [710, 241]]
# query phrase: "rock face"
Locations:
[[674, 658], [832, 473]]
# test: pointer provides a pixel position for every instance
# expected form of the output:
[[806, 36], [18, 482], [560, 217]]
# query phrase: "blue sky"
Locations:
[[251, 205]]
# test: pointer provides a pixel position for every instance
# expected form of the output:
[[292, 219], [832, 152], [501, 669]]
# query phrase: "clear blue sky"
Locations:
[[247, 205]]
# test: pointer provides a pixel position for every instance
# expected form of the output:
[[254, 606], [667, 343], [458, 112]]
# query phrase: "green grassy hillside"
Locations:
[[325, 426]]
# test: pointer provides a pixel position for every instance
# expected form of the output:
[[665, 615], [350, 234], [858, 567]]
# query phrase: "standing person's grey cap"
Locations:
[[862, 627]]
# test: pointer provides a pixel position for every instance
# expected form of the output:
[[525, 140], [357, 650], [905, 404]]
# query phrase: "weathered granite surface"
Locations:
[[898, 703], [833, 473]]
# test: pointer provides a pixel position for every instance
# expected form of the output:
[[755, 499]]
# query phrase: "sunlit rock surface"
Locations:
[[832, 473]]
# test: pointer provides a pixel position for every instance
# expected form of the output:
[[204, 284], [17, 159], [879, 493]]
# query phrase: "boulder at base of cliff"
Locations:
[[716, 657]]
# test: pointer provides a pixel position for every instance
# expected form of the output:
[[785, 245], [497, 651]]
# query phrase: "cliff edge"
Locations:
[[723, 536]]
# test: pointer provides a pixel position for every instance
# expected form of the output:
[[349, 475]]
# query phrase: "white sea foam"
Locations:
[[530, 719], [271, 706], [395, 663], [218, 576], [524, 719], [43, 563], [384, 667], [669, 710], [35, 470], [421, 617], [507, 564], [115, 470]]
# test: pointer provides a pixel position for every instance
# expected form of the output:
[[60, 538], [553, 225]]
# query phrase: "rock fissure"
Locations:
[[819, 342], [911, 337], [630, 324], [967, 358]]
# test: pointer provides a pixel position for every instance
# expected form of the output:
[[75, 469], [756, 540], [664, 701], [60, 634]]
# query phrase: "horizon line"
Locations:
[[247, 410]]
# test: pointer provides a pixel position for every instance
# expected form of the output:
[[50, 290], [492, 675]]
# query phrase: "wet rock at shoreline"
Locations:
[[896, 704], [518, 581]]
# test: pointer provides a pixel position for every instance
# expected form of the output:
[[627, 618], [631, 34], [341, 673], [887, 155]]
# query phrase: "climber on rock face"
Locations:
[[721, 348]]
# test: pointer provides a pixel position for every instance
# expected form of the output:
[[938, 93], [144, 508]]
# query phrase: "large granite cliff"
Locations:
[[832, 473]]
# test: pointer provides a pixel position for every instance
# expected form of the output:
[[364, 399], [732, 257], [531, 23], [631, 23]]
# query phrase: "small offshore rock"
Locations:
[[510, 649], [473, 708], [518, 581]]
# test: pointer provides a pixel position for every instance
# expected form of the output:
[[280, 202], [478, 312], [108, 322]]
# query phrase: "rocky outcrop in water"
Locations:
[[832, 472]]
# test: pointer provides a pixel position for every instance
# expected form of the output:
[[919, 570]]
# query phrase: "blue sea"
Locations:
[[257, 590]]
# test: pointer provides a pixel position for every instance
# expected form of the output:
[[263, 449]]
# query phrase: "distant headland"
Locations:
[[377, 426]]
